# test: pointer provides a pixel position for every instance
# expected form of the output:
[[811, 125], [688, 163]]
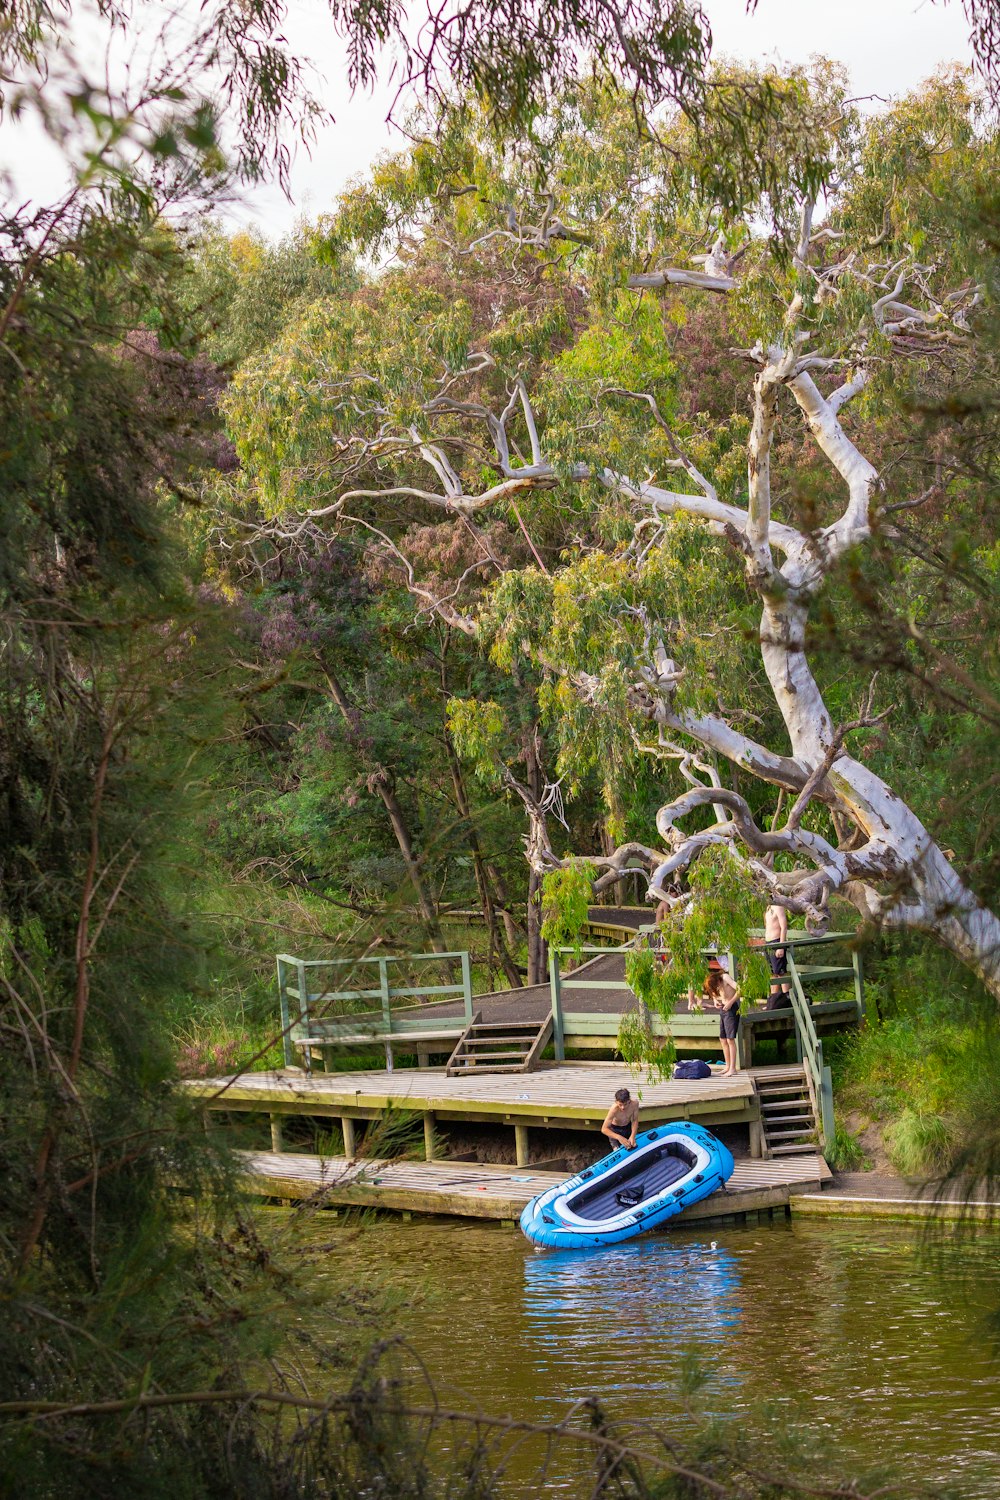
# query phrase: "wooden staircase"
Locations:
[[787, 1112], [499, 1046]]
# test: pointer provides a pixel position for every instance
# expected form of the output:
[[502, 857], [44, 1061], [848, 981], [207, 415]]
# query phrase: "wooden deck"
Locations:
[[594, 998], [567, 1095], [483, 1192]]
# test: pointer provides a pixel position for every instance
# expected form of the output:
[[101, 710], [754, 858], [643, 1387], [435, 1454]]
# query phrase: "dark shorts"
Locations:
[[729, 1023], [778, 962]]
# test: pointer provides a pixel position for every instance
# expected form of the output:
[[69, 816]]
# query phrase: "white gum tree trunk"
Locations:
[[881, 857]]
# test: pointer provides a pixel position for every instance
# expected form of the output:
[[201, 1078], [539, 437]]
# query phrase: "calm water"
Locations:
[[855, 1330]]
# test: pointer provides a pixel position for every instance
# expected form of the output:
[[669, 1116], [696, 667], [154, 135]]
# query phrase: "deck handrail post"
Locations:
[[467, 986], [286, 1024], [383, 983], [827, 1126], [383, 980], [555, 990], [859, 982], [809, 1048], [303, 984]]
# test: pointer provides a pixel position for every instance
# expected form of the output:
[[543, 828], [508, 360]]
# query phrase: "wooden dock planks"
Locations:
[[565, 1094], [468, 1190]]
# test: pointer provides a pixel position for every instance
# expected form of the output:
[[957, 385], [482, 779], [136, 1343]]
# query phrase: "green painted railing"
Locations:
[[695, 1027], [598, 1024], [810, 1053], [300, 1003]]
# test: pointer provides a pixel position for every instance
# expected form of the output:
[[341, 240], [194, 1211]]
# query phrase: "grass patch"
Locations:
[[846, 1153], [921, 1143], [922, 1078]]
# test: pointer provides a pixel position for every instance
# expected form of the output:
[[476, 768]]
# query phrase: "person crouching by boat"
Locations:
[[621, 1120], [725, 996]]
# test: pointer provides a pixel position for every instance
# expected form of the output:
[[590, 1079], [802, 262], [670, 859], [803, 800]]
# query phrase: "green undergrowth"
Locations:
[[921, 1077], [397, 1135], [909, 1076], [846, 1153], [226, 1019]]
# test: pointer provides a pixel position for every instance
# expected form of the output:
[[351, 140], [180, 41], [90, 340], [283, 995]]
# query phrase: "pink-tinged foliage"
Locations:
[[443, 553], [184, 394], [210, 1059], [324, 605]]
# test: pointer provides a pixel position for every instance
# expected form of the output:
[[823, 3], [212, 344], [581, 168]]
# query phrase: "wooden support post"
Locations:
[[558, 1044], [303, 984], [423, 1059], [866, 1011], [825, 1101], [350, 1139], [521, 1145], [756, 1139], [467, 987], [428, 1135], [276, 1141], [286, 1024], [383, 980]]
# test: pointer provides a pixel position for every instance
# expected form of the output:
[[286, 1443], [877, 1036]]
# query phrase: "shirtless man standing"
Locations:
[[776, 930], [621, 1120]]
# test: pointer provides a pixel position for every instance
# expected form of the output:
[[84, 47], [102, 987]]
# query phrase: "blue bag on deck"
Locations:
[[692, 1067]]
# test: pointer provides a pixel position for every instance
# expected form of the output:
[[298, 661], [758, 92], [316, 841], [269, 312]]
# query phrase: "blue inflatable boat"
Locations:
[[628, 1192]]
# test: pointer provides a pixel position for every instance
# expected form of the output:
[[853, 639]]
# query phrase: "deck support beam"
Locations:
[[521, 1145], [756, 1139], [428, 1135], [350, 1138], [276, 1136]]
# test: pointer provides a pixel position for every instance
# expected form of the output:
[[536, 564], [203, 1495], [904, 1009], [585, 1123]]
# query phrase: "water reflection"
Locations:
[[590, 1312], [855, 1331]]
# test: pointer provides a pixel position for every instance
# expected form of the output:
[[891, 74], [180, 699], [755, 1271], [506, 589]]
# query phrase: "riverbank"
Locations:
[[872, 1195], [471, 1190]]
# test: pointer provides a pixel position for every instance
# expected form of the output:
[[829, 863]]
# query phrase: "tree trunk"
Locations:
[[537, 947], [383, 784], [513, 930], [925, 893], [538, 958], [496, 937]]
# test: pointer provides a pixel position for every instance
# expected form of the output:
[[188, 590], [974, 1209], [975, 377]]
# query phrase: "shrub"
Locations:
[[921, 1143]]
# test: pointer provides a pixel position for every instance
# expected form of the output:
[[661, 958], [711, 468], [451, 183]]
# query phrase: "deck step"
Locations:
[[531, 1026], [787, 1114], [476, 1059], [500, 1040], [499, 1046], [457, 1070]]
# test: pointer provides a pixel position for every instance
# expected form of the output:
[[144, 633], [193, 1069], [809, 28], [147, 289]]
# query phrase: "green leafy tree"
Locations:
[[649, 638]]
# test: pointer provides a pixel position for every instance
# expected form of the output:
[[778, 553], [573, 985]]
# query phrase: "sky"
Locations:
[[887, 46]]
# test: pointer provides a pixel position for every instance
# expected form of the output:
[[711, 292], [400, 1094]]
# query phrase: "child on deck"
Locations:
[[776, 930], [725, 996], [621, 1120]]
